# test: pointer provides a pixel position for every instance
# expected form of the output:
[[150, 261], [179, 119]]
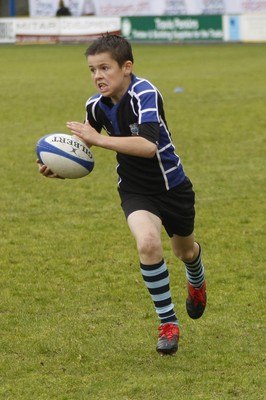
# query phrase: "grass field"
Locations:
[[76, 320]]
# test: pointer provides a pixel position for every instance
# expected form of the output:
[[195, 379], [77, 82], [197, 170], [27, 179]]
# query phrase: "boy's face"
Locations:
[[110, 79]]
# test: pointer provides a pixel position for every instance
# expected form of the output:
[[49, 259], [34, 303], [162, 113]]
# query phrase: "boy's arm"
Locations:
[[132, 145]]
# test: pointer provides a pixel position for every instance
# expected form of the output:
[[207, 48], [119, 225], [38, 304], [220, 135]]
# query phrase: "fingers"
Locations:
[[75, 127], [45, 171], [84, 131], [78, 127]]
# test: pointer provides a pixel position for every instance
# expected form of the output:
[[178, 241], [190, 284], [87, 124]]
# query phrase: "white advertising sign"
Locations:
[[88, 25], [63, 29], [43, 8], [197, 7], [121, 8], [254, 28], [7, 30], [37, 26], [244, 6], [253, 6], [48, 8], [177, 7], [126, 7], [76, 7]]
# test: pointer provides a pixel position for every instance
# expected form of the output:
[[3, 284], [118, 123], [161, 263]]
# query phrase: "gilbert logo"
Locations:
[[134, 129], [73, 143]]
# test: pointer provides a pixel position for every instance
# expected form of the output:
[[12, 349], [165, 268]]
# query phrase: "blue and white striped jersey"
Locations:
[[139, 112]]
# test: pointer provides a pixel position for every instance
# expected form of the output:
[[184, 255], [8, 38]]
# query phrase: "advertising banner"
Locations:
[[37, 30], [82, 29], [139, 7], [101, 8], [177, 7], [64, 29], [76, 7], [7, 30], [253, 28], [198, 7], [43, 8], [48, 8], [253, 6], [159, 7], [167, 29]]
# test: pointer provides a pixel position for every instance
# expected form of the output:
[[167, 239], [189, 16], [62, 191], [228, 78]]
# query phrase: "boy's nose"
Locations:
[[97, 74]]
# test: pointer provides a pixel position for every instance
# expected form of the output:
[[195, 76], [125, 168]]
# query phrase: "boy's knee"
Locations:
[[186, 254], [149, 246]]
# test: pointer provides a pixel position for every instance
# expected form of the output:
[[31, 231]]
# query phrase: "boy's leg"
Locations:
[[189, 252], [146, 229]]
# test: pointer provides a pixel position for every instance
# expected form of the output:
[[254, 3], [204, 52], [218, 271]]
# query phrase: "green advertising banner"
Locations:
[[173, 28]]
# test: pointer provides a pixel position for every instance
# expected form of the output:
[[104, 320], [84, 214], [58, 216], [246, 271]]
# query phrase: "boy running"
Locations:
[[152, 185]]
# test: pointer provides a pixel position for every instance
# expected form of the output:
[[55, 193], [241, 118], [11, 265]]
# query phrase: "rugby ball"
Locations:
[[65, 155]]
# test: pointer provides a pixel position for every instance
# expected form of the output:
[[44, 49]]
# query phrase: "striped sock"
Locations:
[[195, 271], [156, 278]]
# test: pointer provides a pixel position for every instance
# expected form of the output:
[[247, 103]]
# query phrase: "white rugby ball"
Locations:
[[65, 155]]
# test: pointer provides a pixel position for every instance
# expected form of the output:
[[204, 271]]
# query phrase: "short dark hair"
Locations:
[[119, 48]]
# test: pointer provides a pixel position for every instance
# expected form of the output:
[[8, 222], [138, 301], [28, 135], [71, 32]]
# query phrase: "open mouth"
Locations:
[[102, 87]]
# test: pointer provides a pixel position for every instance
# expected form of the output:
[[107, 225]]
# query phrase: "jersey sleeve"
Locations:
[[148, 104], [150, 131], [91, 114]]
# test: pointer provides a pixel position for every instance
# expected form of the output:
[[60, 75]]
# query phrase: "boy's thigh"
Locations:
[[143, 223]]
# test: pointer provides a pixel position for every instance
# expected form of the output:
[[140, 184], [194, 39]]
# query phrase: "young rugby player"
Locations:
[[152, 185]]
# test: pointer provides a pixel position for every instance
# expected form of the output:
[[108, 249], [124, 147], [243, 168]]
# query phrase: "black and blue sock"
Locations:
[[156, 278], [195, 271]]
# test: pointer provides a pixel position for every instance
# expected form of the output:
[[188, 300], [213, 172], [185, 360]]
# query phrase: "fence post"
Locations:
[[12, 8]]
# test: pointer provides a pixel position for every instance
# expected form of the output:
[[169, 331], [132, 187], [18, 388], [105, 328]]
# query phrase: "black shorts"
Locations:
[[175, 207]]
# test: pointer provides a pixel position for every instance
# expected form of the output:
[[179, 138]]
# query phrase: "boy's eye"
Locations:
[[103, 68]]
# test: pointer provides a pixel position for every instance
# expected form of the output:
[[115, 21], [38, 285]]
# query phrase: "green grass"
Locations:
[[76, 320]]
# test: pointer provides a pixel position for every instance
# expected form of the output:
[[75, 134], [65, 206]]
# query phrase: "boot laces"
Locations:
[[168, 330], [197, 294]]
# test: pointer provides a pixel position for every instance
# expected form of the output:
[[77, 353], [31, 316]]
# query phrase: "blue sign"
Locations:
[[234, 28]]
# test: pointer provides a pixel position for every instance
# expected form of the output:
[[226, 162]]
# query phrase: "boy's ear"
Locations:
[[128, 66]]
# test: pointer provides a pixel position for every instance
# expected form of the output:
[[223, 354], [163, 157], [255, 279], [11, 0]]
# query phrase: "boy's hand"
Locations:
[[85, 132], [45, 171]]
